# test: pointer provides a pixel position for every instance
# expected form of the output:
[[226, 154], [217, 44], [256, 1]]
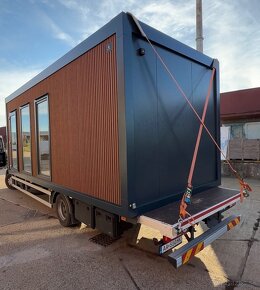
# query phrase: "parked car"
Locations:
[[3, 157]]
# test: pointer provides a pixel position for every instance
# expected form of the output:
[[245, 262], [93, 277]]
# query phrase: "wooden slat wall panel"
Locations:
[[84, 123]]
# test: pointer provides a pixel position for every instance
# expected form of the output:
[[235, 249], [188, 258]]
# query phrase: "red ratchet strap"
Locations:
[[184, 213], [182, 92], [195, 153], [187, 195], [244, 187]]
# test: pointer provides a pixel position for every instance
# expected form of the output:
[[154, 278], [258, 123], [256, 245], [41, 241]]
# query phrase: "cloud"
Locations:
[[176, 18], [168, 16], [232, 35], [57, 32], [231, 32], [80, 7], [11, 81]]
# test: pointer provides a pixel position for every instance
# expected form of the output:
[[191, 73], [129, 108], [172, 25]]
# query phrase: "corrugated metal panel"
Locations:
[[240, 104], [84, 123]]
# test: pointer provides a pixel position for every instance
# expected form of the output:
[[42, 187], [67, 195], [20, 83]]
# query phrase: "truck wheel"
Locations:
[[8, 181], [64, 210]]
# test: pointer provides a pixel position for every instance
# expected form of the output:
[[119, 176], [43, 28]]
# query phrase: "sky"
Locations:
[[35, 33]]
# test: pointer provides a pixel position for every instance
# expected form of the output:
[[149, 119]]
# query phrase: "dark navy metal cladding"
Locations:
[[161, 128], [157, 129]]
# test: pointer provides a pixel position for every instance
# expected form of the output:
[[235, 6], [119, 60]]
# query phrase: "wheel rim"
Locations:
[[62, 209]]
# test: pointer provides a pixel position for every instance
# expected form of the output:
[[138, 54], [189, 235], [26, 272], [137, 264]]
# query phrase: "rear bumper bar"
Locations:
[[185, 253], [204, 205]]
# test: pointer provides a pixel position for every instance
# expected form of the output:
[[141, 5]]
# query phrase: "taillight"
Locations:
[[166, 240]]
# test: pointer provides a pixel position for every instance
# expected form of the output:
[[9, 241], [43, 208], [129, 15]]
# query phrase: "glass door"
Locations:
[[26, 138], [43, 136], [13, 141]]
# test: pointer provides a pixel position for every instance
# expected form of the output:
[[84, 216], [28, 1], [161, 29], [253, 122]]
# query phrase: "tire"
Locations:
[[64, 210], [8, 181]]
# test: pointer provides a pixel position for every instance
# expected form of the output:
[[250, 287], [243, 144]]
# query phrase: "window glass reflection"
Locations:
[[14, 163], [26, 138], [43, 137]]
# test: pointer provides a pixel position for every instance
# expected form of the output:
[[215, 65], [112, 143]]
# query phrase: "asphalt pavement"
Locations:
[[37, 253]]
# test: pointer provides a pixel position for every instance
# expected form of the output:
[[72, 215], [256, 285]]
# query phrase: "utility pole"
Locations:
[[199, 28]]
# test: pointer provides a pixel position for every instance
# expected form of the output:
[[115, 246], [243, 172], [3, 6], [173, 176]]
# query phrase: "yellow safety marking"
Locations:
[[237, 220], [230, 226], [192, 253], [199, 246], [187, 257]]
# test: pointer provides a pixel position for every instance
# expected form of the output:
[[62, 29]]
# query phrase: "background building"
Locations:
[[241, 111], [240, 115]]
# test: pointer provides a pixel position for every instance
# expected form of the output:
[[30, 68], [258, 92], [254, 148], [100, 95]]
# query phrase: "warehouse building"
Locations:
[[240, 117], [241, 111]]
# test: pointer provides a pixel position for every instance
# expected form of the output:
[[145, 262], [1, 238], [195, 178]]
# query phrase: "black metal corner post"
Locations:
[[129, 115], [217, 106], [122, 143]]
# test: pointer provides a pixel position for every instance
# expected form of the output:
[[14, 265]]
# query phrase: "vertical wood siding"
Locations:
[[83, 123]]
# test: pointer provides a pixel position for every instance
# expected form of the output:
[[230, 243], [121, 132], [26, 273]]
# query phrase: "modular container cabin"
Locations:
[[105, 133]]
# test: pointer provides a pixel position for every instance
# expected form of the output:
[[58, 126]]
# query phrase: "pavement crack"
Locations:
[[251, 284], [129, 274], [30, 212], [249, 246], [232, 284], [14, 203]]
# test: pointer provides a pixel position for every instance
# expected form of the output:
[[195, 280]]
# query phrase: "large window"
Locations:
[[13, 140], [26, 138], [43, 136]]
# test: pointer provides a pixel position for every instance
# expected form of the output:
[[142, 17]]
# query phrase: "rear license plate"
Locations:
[[170, 245]]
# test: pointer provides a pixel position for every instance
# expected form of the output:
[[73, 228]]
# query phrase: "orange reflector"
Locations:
[[233, 223]]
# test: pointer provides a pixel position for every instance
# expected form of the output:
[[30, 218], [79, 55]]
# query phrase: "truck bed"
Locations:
[[165, 219]]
